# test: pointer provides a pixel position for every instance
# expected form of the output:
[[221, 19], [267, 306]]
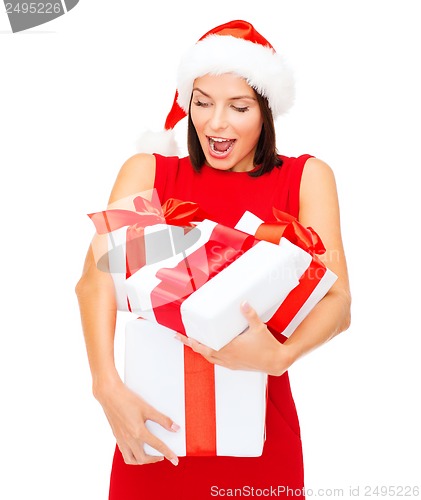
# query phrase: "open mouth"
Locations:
[[220, 146]]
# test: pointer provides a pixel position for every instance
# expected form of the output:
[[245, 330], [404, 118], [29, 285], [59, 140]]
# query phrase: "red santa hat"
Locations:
[[234, 47]]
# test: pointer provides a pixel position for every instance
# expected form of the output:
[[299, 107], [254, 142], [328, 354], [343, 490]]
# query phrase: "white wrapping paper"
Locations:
[[154, 369]]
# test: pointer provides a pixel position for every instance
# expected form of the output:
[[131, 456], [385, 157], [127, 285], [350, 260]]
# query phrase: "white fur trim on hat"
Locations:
[[162, 142], [262, 68]]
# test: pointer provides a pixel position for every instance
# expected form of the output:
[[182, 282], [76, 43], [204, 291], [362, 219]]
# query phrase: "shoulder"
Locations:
[[136, 175], [317, 179], [315, 168], [140, 162], [318, 192]]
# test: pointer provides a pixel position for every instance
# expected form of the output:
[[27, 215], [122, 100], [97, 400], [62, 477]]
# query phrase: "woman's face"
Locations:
[[227, 119]]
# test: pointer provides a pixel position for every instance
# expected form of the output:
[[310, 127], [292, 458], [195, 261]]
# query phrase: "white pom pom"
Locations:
[[163, 143]]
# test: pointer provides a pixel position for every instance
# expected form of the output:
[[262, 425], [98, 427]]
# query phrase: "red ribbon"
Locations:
[[173, 211], [224, 246], [290, 228]]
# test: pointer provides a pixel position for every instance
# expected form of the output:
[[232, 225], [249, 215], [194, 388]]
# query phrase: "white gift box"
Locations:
[[266, 275], [161, 242], [154, 369], [302, 301], [263, 275]]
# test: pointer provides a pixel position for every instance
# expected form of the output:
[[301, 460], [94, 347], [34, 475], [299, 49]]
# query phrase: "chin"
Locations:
[[225, 164]]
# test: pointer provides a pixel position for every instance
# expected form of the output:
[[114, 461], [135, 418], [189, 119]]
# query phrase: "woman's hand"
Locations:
[[255, 349], [127, 412]]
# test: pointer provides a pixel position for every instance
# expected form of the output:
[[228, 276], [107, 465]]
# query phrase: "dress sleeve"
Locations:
[[296, 173]]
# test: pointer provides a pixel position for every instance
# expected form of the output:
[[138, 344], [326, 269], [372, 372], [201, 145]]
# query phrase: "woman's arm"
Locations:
[[125, 411], [319, 209], [256, 348]]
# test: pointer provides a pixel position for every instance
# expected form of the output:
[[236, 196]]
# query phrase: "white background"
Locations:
[[74, 96]]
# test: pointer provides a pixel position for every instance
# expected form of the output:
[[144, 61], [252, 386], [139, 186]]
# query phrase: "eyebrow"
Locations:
[[230, 99]]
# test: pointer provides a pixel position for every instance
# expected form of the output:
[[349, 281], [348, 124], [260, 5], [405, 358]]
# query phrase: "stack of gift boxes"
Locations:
[[181, 272]]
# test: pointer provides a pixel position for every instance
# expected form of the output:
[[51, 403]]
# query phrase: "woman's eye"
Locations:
[[202, 104], [241, 110]]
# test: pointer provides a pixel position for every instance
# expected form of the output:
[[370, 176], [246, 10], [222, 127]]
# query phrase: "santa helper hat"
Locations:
[[234, 47]]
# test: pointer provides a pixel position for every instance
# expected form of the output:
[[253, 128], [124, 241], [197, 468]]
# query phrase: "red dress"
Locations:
[[226, 195]]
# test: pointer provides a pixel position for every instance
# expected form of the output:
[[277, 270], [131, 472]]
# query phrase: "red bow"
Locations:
[[290, 228], [173, 212]]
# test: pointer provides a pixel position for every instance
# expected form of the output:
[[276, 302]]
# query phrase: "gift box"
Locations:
[[220, 411], [126, 243], [199, 291], [315, 282], [192, 277]]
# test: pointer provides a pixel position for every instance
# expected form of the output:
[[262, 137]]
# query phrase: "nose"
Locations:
[[218, 119]]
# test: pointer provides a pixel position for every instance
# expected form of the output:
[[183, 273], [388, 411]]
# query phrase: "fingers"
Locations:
[[205, 351], [132, 446], [250, 314], [128, 456], [162, 448], [161, 419], [157, 444], [135, 455]]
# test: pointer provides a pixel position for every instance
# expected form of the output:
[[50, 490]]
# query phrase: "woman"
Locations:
[[231, 85]]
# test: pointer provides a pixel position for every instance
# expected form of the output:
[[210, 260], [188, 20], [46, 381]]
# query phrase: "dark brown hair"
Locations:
[[266, 156]]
